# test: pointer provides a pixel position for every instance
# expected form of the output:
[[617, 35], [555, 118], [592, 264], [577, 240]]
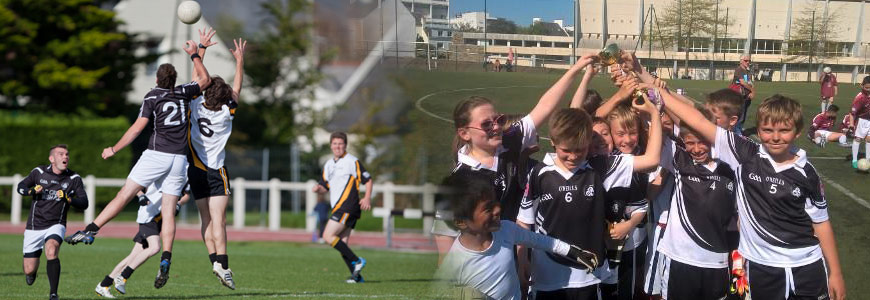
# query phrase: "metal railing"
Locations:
[[388, 190]]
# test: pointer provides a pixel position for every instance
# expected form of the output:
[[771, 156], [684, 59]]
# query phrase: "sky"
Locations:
[[519, 11]]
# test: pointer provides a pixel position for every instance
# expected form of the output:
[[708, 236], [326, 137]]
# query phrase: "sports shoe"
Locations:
[[824, 141], [225, 275], [81, 236], [162, 274], [854, 164], [818, 140], [357, 279], [121, 284], [358, 265], [53, 297], [29, 279], [103, 291]]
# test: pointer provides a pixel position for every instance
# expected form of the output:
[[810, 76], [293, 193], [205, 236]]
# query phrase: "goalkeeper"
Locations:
[[482, 257]]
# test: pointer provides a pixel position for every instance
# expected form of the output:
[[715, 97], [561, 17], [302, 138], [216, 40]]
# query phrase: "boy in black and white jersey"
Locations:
[[785, 235], [565, 199], [54, 188], [165, 162], [695, 242]]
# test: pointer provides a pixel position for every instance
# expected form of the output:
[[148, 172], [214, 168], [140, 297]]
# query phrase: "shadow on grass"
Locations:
[[402, 280]]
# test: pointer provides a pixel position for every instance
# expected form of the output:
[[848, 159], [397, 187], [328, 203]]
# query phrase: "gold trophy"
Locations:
[[611, 55]]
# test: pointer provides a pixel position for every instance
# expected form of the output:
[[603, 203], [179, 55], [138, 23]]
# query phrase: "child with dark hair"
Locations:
[[822, 129], [482, 256], [860, 121]]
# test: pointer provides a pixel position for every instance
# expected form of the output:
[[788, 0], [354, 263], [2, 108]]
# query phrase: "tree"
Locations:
[[66, 56], [813, 37], [684, 20], [501, 25]]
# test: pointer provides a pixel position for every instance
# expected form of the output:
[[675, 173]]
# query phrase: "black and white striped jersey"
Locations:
[[777, 204], [571, 206], [168, 112], [508, 174], [702, 205], [47, 208]]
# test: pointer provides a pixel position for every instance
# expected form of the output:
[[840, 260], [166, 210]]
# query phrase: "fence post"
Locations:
[[428, 206], [310, 202], [15, 218], [274, 205], [91, 189], [239, 203], [389, 203]]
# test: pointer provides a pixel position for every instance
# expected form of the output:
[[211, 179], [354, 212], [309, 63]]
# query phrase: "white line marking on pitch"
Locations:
[[419, 103], [845, 191]]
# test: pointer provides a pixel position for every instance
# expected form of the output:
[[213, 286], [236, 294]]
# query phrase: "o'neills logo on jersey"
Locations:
[[567, 188]]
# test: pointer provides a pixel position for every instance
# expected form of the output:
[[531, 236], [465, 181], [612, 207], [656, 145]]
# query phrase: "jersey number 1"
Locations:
[[172, 108]]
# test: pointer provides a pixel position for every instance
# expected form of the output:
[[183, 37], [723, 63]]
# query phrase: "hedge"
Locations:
[[26, 139]]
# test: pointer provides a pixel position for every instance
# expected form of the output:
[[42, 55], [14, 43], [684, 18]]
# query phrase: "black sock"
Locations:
[[224, 260], [52, 267], [348, 262], [344, 249], [127, 272], [166, 256], [212, 257], [92, 227], [107, 282]]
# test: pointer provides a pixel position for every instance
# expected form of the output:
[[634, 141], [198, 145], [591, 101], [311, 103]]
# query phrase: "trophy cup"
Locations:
[[611, 54]]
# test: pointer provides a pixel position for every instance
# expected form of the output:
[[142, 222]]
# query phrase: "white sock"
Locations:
[[855, 146], [867, 150], [824, 105], [842, 139]]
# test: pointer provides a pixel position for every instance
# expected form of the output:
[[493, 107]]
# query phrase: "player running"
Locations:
[[341, 178], [165, 108], [54, 189], [212, 116]]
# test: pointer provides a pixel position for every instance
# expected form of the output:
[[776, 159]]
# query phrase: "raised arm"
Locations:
[[551, 98], [580, 95], [627, 85], [652, 156], [239, 54], [127, 138], [205, 36], [204, 79], [689, 116]]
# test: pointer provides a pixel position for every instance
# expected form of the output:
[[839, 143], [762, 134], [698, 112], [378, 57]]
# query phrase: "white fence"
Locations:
[[388, 190]]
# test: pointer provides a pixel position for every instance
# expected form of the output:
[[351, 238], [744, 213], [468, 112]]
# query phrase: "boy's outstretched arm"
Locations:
[[626, 88], [580, 95], [689, 116], [651, 158], [548, 102], [836, 285]]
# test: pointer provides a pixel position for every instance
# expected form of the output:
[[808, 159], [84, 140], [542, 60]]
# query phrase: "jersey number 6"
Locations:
[[203, 129]]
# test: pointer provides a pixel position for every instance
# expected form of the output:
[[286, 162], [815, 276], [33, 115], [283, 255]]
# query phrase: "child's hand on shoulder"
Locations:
[[620, 230]]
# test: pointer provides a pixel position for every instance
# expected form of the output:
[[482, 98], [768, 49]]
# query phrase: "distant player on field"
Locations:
[[165, 108], [341, 178], [860, 121], [54, 188], [146, 242]]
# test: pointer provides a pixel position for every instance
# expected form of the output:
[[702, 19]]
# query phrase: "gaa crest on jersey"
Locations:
[[796, 192], [590, 191]]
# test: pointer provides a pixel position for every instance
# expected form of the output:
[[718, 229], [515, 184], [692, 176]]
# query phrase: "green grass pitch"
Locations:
[[263, 270]]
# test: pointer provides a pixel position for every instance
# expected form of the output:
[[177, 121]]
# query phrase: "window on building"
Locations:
[[695, 45], [767, 46], [470, 41], [729, 45], [500, 42], [562, 45]]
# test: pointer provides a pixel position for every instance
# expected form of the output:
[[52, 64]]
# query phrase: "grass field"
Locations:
[[518, 93], [263, 270]]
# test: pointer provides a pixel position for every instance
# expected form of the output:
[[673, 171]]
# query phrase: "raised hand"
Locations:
[[190, 47], [239, 51], [205, 36]]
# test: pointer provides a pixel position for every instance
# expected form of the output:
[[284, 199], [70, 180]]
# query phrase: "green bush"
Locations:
[[27, 138]]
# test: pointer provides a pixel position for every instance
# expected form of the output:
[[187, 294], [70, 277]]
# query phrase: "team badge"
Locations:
[[65, 185], [796, 192], [43, 181], [589, 191], [730, 186]]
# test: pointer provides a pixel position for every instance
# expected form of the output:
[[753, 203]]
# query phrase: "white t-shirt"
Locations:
[[209, 132], [148, 212], [493, 271]]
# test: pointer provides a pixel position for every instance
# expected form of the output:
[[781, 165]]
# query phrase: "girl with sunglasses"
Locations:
[[486, 144]]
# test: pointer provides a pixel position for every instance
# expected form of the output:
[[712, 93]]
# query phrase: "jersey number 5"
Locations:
[[203, 129]]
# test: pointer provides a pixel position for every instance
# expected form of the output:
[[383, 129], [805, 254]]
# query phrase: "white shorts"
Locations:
[[863, 128], [34, 240], [168, 172], [823, 133]]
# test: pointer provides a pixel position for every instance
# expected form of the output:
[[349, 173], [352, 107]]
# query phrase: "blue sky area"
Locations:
[[519, 11]]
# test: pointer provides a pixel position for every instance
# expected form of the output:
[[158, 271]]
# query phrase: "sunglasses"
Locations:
[[488, 126]]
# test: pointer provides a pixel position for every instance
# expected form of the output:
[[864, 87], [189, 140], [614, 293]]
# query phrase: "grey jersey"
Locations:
[[168, 112]]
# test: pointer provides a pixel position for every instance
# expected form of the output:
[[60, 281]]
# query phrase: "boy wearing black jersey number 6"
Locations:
[[785, 235]]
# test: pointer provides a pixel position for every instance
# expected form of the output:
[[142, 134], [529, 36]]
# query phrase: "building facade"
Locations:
[[433, 21]]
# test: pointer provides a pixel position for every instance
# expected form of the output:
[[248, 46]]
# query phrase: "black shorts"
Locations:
[[809, 281], [146, 230], [689, 282], [583, 293], [209, 183], [349, 220]]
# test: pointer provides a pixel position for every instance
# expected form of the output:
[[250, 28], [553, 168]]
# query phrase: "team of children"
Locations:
[[723, 213]]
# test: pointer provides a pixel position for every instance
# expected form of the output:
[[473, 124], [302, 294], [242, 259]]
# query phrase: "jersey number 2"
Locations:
[[172, 108]]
